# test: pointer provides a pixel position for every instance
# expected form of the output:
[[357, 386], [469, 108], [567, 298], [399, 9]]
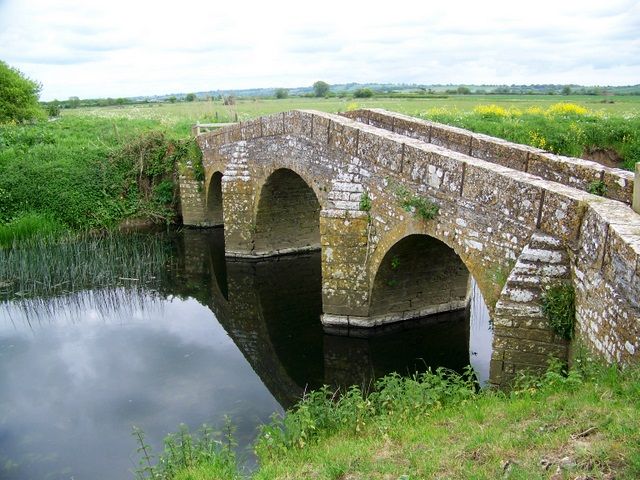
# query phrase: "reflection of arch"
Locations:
[[214, 200], [418, 275], [289, 291], [288, 214]]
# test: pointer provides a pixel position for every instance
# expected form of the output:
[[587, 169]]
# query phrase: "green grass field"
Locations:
[[182, 114]]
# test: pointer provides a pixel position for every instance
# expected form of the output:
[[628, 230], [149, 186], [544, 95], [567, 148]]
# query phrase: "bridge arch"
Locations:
[[454, 251], [214, 208], [419, 275], [287, 215]]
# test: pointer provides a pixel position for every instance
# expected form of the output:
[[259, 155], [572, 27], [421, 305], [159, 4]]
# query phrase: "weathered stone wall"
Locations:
[[606, 272], [192, 199], [488, 213], [574, 172], [288, 216], [522, 337], [418, 276]]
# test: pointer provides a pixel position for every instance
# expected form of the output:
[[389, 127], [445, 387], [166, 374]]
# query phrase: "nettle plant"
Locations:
[[558, 304]]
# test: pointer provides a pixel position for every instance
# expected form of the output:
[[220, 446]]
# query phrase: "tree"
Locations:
[[363, 93], [190, 97], [320, 88], [566, 90], [282, 93], [18, 96]]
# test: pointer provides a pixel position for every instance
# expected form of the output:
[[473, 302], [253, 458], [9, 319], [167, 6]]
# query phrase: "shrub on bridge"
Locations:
[[558, 304]]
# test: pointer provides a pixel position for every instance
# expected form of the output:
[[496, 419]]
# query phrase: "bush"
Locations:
[[363, 93], [282, 93], [18, 96], [558, 304]]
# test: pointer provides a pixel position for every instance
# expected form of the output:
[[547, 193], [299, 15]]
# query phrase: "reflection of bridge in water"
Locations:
[[271, 309]]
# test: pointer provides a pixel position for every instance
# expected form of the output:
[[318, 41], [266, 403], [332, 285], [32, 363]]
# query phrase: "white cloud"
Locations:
[[125, 48]]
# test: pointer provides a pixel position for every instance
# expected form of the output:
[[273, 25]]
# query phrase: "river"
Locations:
[[207, 337]]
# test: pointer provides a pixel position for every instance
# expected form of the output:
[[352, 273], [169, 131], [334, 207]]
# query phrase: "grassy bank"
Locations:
[[86, 173], [582, 425]]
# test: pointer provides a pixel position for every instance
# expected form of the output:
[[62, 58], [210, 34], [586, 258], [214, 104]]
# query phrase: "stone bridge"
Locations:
[[515, 218]]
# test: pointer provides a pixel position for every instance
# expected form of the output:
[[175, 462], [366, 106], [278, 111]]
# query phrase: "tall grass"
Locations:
[[27, 226], [53, 266]]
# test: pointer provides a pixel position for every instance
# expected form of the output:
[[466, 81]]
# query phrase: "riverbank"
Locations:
[[584, 425], [78, 174]]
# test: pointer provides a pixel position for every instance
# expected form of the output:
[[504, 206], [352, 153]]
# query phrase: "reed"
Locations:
[[54, 266]]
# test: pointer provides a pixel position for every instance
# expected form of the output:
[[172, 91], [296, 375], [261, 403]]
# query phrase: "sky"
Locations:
[[120, 48]]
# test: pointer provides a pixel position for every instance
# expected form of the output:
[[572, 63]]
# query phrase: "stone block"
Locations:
[[499, 151], [320, 129], [562, 211], [251, 129], [453, 138], [507, 193], [380, 150], [344, 138], [413, 128], [433, 168], [298, 122], [619, 184], [573, 172], [272, 125]]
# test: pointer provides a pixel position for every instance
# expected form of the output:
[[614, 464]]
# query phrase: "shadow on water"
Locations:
[[209, 336]]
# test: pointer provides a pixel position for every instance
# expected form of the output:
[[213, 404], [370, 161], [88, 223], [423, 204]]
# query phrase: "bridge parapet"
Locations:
[[574, 172]]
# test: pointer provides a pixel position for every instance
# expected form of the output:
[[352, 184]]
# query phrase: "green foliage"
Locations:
[[320, 88], [558, 304], [206, 453], [190, 97], [88, 173], [53, 109], [29, 225], [394, 398], [18, 96], [363, 93], [597, 187], [419, 206], [365, 202], [281, 93]]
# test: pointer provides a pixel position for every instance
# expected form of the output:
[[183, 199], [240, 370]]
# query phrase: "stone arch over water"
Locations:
[[418, 276], [287, 214], [214, 200]]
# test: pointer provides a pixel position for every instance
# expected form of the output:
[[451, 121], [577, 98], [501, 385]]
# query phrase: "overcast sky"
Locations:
[[118, 48]]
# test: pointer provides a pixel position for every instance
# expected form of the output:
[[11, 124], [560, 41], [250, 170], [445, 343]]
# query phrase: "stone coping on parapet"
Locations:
[[388, 150], [575, 172]]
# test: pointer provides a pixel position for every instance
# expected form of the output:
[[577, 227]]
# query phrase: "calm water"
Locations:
[[215, 337]]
